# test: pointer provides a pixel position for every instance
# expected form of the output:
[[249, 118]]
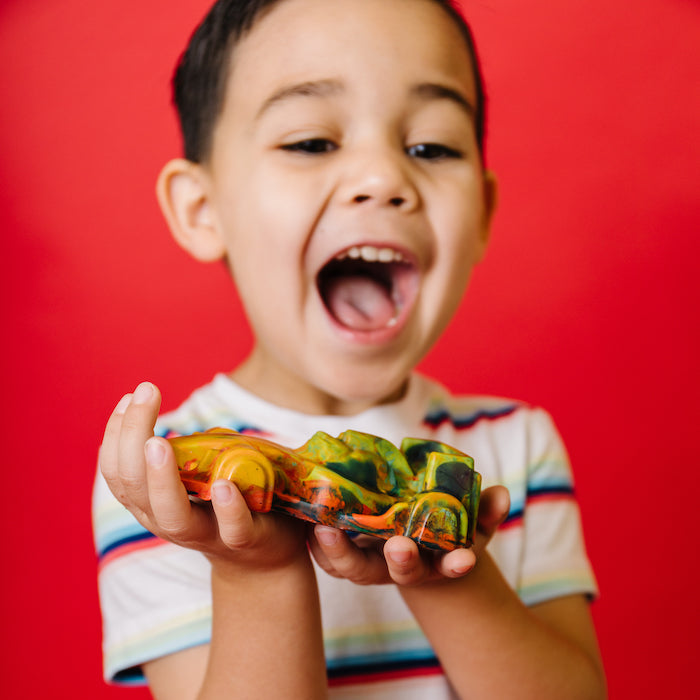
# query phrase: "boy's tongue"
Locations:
[[359, 302]]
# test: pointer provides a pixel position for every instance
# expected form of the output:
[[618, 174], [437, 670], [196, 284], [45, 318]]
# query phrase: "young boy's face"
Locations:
[[346, 186]]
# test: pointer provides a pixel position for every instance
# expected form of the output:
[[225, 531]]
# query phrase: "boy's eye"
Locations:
[[432, 151], [312, 146]]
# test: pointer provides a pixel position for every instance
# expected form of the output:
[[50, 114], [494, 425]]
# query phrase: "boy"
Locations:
[[333, 158]]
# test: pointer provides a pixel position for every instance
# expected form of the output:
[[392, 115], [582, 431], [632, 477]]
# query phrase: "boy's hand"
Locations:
[[141, 472], [402, 561]]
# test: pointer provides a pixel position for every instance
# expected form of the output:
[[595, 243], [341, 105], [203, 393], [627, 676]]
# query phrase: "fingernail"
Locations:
[[221, 493], [459, 569], [462, 560], [326, 535], [143, 393], [399, 556], [155, 453], [120, 408]]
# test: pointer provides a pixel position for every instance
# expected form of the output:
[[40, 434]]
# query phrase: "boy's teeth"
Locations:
[[370, 253]]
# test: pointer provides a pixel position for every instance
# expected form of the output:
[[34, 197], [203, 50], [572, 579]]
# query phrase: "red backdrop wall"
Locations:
[[587, 302]]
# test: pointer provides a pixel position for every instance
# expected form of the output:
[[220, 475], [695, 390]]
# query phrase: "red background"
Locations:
[[587, 302]]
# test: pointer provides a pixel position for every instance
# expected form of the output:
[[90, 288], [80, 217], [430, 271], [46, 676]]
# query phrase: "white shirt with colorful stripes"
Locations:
[[156, 599]]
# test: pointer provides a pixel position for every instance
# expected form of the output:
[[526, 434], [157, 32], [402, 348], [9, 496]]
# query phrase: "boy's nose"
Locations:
[[382, 180]]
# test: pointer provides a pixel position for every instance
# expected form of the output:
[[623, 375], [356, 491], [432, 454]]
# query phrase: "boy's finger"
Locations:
[[320, 556], [362, 566], [137, 427], [235, 521], [456, 563], [171, 509], [493, 509], [406, 567], [109, 450]]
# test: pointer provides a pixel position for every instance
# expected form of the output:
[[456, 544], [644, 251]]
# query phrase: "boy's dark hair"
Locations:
[[199, 82]]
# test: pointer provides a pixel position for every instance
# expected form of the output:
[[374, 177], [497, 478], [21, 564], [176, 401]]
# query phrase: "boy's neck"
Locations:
[[287, 391]]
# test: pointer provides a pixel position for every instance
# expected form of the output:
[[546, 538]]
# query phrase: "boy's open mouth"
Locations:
[[365, 288]]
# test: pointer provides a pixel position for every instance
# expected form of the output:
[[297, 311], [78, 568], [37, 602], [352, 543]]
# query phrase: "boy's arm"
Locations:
[[489, 643], [266, 628], [265, 642]]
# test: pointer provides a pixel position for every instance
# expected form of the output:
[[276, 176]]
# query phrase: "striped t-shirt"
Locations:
[[156, 598]]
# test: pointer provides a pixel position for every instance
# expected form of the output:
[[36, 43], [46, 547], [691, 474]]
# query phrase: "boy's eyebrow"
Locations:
[[326, 88], [435, 91], [311, 88]]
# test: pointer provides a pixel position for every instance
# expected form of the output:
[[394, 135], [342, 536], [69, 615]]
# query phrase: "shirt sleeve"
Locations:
[[155, 596], [554, 561]]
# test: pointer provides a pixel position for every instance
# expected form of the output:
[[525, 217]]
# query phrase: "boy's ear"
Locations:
[[490, 205], [182, 194]]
